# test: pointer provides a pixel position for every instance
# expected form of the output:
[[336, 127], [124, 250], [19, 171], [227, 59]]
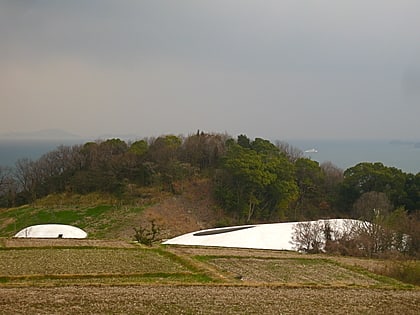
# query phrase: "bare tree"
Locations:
[[308, 237], [292, 153], [370, 204], [27, 175], [333, 174], [7, 187], [5, 178]]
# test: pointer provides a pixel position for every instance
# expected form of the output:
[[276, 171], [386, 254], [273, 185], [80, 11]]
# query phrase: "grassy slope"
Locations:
[[105, 217]]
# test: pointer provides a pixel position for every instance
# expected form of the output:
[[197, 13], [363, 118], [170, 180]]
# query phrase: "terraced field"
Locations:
[[128, 279]]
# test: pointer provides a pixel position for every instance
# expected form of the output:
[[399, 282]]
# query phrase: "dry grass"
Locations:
[[186, 280], [152, 299], [64, 242], [90, 261], [292, 271]]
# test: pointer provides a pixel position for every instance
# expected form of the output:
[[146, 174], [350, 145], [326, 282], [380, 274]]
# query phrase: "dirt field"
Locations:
[[64, 242], [118, 278], [205, 300]]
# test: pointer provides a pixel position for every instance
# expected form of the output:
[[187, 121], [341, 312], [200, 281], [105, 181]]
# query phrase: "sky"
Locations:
[[289, 69]]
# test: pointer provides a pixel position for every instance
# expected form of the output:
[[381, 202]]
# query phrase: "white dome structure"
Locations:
[[51, 231], [274, 236]]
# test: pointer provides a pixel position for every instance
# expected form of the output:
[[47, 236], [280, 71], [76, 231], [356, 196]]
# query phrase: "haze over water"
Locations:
[[348, 153], [272, 69]]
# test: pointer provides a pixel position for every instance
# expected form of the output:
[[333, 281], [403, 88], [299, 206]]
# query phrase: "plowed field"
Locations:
[[155, 299], [124, 279]]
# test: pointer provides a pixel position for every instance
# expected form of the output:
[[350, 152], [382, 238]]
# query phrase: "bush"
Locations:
[[147, 235], [405, 271]]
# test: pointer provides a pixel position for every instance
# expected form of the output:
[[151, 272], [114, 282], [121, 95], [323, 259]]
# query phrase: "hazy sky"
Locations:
[[277, 69]]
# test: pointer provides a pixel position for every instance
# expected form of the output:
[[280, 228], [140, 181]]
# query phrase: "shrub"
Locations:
[[147, 235], [406, 271]]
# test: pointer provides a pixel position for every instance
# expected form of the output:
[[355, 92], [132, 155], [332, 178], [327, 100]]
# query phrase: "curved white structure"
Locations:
[[276, 236], [51, 231]]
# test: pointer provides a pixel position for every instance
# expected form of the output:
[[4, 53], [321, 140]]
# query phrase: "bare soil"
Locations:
[[64, 242], [157, 299], [291, 271], [372, 265], [112, 280], [86, 261], [191, 208]]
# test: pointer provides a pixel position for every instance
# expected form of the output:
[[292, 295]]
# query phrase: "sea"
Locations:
[[404, 155], [13, 150]]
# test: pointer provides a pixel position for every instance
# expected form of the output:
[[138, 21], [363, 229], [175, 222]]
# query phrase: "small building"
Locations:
[[51, 231]]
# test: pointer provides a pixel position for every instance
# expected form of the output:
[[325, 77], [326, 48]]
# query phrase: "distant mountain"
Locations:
[[45, 134], [125, 137]]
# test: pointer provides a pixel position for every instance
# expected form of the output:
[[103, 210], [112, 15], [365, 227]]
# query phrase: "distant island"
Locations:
[[410, 143]]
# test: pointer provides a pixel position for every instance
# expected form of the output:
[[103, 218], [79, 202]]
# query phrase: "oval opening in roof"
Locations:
[[223, 230]]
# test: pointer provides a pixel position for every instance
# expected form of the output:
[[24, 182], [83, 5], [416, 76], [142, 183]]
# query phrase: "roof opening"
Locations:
[[223, 230]]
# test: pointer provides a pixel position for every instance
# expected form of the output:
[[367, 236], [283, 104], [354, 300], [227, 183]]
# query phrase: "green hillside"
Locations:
[[103, 216]]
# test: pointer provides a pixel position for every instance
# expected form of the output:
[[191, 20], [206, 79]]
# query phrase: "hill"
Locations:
[[103, 216]]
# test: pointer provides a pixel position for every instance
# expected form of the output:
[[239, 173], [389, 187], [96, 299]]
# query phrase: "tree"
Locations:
[[308, 237], [57, 168], [249, 175], [292, 153], [384, 234], [244, 141], [412, 190], [163, 155], [139, 148], [257, 180], [28, 177], [367, 177], [333, 177], [370, 204], [310, 179], [7, 187], [5, 178], [203, 150]]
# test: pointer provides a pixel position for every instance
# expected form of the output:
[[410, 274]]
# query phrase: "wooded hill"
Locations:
[[252, 180]]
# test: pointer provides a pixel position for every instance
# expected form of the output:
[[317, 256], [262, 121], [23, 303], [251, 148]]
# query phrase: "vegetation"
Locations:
[[253, 181], [147, 235], [134, 264], [141, 280]]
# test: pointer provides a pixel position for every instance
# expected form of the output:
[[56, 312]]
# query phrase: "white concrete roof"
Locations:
[[51, 231], [277, 236]]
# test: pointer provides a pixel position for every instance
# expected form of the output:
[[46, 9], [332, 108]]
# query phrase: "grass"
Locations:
[[95, 265], [293, 270], [406, 271], [84, 261], [204, 299], [98, 221], [80, 265], [165, 279]]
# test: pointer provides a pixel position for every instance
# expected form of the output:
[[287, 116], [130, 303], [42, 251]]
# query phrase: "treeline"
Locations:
[[254, 180]]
